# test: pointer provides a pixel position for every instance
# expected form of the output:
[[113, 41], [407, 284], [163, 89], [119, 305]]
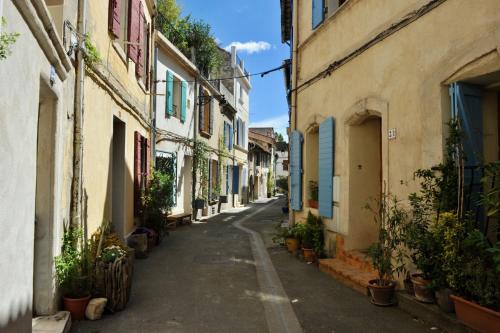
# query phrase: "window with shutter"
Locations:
[[318, 12], [114, 13], [169, 94], [211, 117], [326, 167], [201, 113], [141, 57], [133, 29], [183, 101], [236, 179], [296, 170]]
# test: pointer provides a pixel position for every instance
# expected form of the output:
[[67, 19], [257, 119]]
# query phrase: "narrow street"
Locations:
[[205, 278]]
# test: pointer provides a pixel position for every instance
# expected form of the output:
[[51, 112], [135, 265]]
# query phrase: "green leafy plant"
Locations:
[[269, 182], [313, 190], [387, 254], [311, 234], [282, 183], [200, 167], [6, 40], [73, 265], [281, 234], [158, 200], [189, 35], [91, 55], [491, 183]]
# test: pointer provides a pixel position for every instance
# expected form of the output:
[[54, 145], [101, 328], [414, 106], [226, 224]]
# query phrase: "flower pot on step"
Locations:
[[308, 255], [292, 244], [382, 294], [421, 287], [444, 301], [475, 316], [76, 306]]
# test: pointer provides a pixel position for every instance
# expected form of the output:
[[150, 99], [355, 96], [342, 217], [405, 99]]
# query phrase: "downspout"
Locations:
[[152, 88], [195, 135], [295, 55], [76, 185]]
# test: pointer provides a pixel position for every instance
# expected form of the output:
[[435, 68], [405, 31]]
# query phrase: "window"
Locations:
[[285, 165], [167, 163], [141, 169], [205, 113], [320, 8], [177, 98], [228, 135], [333, 5], [122, 38], [213, 179]]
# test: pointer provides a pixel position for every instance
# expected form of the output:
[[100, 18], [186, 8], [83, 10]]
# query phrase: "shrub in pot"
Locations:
[[311, 237], [289, 236], [386, 254], [73, 269], [313, 194], [158, 199]]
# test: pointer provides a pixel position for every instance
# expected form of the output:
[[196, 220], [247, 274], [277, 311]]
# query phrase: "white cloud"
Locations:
[[279, 124], [250, 47]]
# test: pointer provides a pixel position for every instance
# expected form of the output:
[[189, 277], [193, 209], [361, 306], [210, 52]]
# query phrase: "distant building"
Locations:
[[261, 162], [281, 159]]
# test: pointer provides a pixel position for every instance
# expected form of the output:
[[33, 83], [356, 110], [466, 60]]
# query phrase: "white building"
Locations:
[[36, 122], [174, 118], [236, 90], [281, 159]]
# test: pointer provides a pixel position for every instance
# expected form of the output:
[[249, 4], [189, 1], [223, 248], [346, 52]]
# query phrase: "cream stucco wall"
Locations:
[[111, 90], [401, 79]]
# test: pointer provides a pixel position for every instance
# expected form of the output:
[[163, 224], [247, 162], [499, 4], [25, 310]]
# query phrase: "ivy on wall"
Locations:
[[6, 40]]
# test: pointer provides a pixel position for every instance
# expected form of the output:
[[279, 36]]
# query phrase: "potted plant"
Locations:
[[72, 268], [313, 194], [386, 253], [289, 236], [199, 203], [158, 199], [311, 237]]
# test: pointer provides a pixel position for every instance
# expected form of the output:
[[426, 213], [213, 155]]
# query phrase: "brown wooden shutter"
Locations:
[[114, 17], [139, 65], [137, 173], [133, 30], [148, 73], [201, 112], [211, 117]]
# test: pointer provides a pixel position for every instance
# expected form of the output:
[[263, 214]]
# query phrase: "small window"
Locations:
[[123, 24], [285, 165], [177, 98]]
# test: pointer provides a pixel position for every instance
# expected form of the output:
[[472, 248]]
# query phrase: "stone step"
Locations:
[[58, 323], [358, 260], [352, 276]]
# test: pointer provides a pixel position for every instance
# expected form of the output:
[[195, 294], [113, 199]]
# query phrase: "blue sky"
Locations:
[[246, 21]]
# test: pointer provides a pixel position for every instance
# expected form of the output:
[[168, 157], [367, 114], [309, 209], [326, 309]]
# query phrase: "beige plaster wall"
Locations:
[[402, 77]]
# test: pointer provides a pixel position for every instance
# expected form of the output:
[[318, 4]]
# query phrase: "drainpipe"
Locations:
[[152, 88], [195, 135], [76, 185]]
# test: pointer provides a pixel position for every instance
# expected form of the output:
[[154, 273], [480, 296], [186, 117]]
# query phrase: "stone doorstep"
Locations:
[[347, 274], [431, 313], [58, 323]]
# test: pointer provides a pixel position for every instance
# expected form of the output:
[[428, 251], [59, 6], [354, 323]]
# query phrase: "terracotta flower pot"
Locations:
[[76, 306], [313, 204], [422, 292], [308, 255], [475, 316], [444, 301], [292, 244], [381, 295]]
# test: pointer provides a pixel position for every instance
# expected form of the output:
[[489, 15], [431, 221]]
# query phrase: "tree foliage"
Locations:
[[189, 36], [6, 40]]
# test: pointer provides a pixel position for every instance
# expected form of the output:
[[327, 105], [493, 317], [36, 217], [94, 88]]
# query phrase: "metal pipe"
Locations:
[[76, 185]]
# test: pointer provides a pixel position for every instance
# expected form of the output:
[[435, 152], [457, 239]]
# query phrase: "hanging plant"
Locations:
[[91, 55]]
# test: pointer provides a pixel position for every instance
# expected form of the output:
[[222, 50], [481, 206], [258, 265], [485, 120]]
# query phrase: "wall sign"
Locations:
[[392, 134]]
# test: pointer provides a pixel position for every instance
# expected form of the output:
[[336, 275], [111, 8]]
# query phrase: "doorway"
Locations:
[[43, 285], [365, 181], [118, 175]]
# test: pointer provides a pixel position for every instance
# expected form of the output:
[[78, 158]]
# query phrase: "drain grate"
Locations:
[[213, 260]]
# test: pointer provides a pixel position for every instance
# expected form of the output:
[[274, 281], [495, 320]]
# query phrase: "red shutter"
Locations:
[[139, 65], [147, 58], [133, 29], [137, 173], [114, 17], [147, 172]]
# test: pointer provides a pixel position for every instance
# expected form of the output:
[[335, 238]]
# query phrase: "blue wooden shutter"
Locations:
[[236, 179], [466, 106], [326, 166], [296, 170], [169, 94], [318, 12], [230, 136], [183, 101]]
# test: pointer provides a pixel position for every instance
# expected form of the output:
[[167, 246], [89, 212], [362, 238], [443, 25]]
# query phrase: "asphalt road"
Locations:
[[225, 275]]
